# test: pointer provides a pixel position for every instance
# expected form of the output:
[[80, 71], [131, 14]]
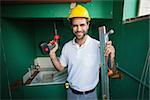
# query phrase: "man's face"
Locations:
[[80, 27]]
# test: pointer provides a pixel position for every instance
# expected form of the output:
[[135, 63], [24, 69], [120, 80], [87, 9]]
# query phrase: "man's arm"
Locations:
[[54, 58]]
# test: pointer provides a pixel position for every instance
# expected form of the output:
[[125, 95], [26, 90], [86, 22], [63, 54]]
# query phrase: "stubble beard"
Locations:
[[80, 38]]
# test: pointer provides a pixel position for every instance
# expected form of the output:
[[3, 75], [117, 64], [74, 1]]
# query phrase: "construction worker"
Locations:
[[82, 57]]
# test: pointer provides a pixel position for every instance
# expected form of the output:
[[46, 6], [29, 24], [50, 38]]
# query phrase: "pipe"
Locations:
[[133, 77]]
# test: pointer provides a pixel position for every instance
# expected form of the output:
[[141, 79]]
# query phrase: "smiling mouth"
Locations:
[[79, 32]]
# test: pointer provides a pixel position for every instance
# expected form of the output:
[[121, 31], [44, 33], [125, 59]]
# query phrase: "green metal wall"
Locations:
[[131, 41], [23, 30], [18, 52], [132, 44], [97, 9]]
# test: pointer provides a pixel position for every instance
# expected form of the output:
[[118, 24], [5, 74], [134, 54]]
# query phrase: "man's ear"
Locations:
[[88, 23]]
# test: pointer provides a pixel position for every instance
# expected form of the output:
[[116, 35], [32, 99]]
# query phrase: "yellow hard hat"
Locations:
[[79, 11]]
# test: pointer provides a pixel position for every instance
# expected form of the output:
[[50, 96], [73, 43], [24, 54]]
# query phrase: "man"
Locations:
[[82, 57]]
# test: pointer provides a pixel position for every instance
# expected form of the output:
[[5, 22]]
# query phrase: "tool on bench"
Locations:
[[47, 47]]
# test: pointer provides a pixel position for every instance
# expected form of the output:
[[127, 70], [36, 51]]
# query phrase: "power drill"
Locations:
[[45, 47]]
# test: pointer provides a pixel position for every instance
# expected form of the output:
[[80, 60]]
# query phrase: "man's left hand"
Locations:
[[109, 50]]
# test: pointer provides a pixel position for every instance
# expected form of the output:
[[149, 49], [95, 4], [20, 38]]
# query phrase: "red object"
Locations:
[[46, 49], [110, 72], [52, 42], [57, 37]]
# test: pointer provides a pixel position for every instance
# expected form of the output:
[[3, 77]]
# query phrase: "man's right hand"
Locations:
[[52, 52], [54, 59]]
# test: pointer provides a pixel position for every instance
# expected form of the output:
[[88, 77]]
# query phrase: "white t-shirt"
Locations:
[[83, 63]]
